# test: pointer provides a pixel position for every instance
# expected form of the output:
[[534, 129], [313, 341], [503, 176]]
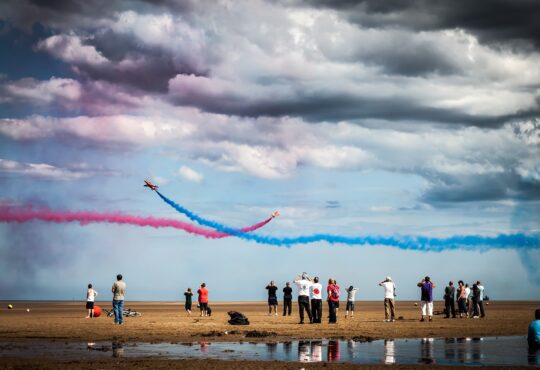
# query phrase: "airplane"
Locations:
[[148, 184], [275, 214]]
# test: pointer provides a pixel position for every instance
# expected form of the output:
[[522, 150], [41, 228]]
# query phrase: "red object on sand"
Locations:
[[97, 311]]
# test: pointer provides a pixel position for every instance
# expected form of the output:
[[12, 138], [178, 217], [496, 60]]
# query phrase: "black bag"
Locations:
[[208, 311], [237, 318]]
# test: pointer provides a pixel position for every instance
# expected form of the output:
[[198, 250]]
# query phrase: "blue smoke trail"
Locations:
[[420, 243]]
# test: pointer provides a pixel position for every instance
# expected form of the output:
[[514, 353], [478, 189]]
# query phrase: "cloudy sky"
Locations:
[[415, 117]]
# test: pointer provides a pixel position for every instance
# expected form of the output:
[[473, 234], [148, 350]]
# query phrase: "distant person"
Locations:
[[189, 297], [351, 296], [303, 283], [389, 295], [203, 299], [533, 337], [462, 299], [287, 299], [118, 290], [468, 293], [481, 299], [333, 298], [316, 300], [337, 302], [449, 306], [272, 298], [475, 296], [426, 288], [91, 295]]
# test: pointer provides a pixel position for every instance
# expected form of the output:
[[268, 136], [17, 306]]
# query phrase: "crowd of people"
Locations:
[[310, 299], [470, 301]]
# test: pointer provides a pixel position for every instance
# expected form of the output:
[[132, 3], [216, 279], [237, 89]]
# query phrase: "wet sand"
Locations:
[[168, 322]]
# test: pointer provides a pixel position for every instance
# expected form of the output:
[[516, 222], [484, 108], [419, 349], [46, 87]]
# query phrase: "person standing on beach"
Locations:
[[91, 295], [303, 283], [481, 299], [188, 294], [449, 294], [351, 295], [316, 301], [272, 298], [203, 299], [287, 299], [333, 298], [468, 300], [475, 296], [462, 299], [533, 335], [389, 295], [426, 288], [118, 290], [337, 302]]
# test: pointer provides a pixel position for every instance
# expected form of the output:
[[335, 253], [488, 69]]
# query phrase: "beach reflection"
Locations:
[[304, 348], [389, 352], [426, 351], [534, 356], [310, 351], [333, 351], [117, 349], [316, 351]]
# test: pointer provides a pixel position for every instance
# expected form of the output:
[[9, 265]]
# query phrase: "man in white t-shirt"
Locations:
[[469, 300], [303, 284], [481, 299], [389, 294], [316, 300]]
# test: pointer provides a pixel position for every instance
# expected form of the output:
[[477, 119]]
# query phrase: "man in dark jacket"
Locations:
[[449, 304]]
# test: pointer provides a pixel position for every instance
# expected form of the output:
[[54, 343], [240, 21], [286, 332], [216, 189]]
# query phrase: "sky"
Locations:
[[416, 117]]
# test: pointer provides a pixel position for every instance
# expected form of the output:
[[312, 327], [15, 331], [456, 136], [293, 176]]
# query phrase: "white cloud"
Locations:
[[190, 174], [71, 49], [58, 90], [46, 171], [275, 148]]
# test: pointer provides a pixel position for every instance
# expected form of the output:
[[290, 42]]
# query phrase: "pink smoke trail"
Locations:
[[8, 215]]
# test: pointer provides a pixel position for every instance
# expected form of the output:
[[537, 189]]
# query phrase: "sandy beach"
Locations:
[[167, 322]]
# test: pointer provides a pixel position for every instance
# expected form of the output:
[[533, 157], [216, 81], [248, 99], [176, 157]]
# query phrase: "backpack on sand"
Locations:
[[237, 318]]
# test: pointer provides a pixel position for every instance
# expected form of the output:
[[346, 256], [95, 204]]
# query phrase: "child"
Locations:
[[351, 293], [91, 295], [188, 293]]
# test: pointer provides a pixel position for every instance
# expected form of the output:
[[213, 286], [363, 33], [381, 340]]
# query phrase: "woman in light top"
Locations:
[[351, 294]]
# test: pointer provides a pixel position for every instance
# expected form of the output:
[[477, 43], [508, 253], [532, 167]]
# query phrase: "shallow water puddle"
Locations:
[[450, 351]]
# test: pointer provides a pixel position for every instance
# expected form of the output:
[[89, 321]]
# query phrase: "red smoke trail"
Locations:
[[84, 218]]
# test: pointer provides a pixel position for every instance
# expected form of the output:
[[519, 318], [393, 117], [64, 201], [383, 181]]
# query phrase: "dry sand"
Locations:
[[167, 322]]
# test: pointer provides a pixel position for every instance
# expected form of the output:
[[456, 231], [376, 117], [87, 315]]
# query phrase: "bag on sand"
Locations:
[[237, 318]]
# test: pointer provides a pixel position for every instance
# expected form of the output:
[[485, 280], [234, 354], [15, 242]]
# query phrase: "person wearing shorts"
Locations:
[[91, 295], [272, 298], [188, 294], [203, 299], [351, 294]]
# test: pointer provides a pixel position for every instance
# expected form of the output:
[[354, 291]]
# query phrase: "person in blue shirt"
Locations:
[[534, 331]]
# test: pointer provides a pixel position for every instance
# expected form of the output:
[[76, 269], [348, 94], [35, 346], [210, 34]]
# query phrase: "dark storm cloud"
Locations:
[[338, 107], [513, 22], [80, 13], [472, 188]]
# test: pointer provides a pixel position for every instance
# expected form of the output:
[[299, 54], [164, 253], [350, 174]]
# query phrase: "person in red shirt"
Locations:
[[203, 299], [333, 300]]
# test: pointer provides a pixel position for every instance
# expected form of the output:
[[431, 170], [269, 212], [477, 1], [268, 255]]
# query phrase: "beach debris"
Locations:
[[259, 334], [363, 339]]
